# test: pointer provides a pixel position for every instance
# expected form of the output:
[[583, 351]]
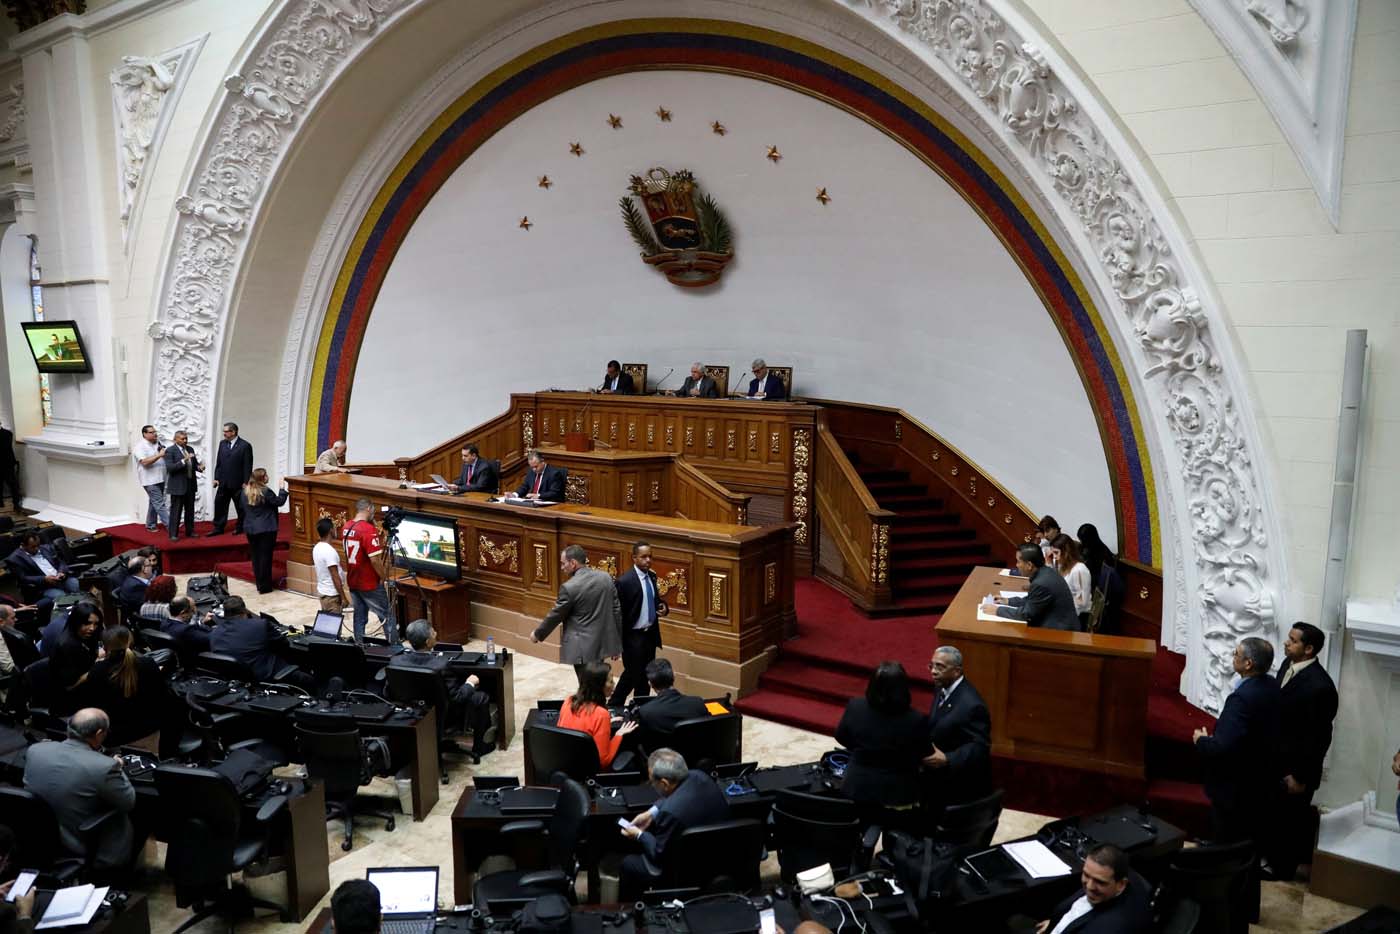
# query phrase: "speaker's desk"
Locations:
[[1067, 698]]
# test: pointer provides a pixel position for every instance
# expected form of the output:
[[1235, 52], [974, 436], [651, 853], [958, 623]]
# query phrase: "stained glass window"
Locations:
[[36, 299]]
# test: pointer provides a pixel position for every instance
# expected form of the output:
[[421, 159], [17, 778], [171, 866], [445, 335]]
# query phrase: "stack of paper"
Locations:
[[1036, 859], [74, 905]]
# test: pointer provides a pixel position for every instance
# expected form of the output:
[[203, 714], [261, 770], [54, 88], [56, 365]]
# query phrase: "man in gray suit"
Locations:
[[699, 384], [587, 608], [81, 784], [1047, 602]]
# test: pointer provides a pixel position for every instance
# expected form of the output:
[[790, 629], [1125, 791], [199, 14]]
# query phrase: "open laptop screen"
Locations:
[[407, 891], [327, 624]]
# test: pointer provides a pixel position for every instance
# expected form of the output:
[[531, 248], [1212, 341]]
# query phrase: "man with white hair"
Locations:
[[765, 385], [689, 798], [332, 459], [960, 767], [699, 384]]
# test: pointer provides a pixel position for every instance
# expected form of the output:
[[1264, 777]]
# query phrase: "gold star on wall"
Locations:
[[576, 149], [525, 223], [615, 121], [718, 128], [822, 196], [773, 154], [545, 182], [663, 114]]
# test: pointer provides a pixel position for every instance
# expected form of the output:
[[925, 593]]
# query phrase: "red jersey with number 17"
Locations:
[[361, 544]]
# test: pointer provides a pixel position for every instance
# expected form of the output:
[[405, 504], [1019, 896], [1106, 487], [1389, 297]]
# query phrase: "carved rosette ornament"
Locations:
[[492, 556], [879, 553], [576, 490], [801, 458], [607, 563], [1156, 301], [673, 581]]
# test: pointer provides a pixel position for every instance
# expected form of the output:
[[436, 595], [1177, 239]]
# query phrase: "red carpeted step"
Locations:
[[928, 584], [243, 570], [1182, 803], [917, 550], [926, 532], [906, 502], [931, 605], [801, 712], [795, 676], [197, 555], [929, 519], [958, 561], [903, 487]]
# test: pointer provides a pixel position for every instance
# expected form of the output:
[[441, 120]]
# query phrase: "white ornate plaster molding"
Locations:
[[14, 130], [1181, 348], [145, 92], [95, 22], [301, 48], [1297, 54]]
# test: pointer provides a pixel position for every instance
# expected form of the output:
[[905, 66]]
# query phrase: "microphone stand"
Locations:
[[395, 544], [657, 389]]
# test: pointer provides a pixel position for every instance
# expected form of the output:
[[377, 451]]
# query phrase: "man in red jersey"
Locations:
[[365, 561]]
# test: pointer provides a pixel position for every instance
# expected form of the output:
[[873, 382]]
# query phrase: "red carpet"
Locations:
[[243, 570], [197, 555], [837, 647]]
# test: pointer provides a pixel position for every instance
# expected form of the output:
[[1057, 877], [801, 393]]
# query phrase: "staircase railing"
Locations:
[[849, 518]]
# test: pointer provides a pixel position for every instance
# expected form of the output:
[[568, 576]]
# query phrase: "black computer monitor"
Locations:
[[428, 544], [57, 346]]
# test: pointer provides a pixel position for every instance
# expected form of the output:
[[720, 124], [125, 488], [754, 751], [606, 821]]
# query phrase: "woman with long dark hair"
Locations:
[[587, 710], [1092, 549], [887, 738], [128, 686], [75, 653], [260, 508], [1064, 552]]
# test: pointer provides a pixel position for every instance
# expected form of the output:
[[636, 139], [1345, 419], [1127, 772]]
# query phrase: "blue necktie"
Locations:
[[650, 599]]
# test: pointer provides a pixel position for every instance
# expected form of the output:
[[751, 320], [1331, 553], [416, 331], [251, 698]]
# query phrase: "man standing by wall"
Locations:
[[587, 608], [232, 467], [150, 473], [1308, 701]]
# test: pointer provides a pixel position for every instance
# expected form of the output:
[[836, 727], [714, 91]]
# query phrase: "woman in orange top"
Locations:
[[587, 711]]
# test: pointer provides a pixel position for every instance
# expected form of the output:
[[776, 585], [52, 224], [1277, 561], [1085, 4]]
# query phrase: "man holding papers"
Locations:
[[542, 482], [1048, 602], [1113, 900]]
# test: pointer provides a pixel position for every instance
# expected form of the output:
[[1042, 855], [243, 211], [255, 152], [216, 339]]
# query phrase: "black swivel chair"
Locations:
[[722, 857], [231, 669], [706, 741], [810, 830], [344, 660], [970, 824], [335, 757], [36, 838], [23, 651], [155, 639], [408, 685], [1221, 880], [556, 749], [561, 839], [1173, 914], [202, 815]]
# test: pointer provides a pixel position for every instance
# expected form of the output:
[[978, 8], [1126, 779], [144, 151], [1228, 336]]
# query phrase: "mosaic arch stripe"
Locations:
[[633, 45]]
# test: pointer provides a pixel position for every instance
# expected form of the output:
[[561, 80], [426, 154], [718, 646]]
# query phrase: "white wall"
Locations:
[[895, 293]]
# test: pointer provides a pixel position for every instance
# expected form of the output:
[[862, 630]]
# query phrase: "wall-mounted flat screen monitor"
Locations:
[[57, 346], [428, 544]]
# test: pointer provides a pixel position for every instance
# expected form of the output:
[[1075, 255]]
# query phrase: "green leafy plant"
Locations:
[[714, 227], [638, 227]]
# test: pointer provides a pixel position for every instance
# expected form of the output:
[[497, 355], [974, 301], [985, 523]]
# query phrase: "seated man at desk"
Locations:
[[42, 572], [542, 481], [765, 385], [190, 637], [1112, 899], [698, 385], [1048, 602], [254, 641], [617, 382], [669, 706], [688, 799], [332, 459], [477, 476], [131, 593], [465, 702]]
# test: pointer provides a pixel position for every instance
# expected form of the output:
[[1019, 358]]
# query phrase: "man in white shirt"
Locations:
[[150, 473], [1113, 900], [330, 584]]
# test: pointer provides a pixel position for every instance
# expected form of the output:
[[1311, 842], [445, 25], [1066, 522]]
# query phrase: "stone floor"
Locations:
[[1287, 908]]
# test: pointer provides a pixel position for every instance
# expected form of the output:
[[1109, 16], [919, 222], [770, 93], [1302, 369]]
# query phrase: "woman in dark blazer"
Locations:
[[74, 655], [131, 688], [260, 508], [886, 738]]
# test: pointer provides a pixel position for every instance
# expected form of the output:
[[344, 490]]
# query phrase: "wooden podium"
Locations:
[[1067, 698], [445, 604]]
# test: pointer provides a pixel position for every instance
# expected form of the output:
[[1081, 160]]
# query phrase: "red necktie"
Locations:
[[470, 468], [538, 477]]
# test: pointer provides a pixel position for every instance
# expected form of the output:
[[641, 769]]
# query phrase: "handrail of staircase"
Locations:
[[857, 524]]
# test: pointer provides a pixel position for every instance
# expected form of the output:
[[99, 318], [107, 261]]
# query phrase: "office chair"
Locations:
[[803, 842], [562, 839], [1222, 880], [154, 639], [36, 838], [406, 685], [23, 651], [231, 669], [1173, 914], [705, 741], [344, 660], [722, 857], [202, 816], [970, 824], [555, 749], [338, 759]]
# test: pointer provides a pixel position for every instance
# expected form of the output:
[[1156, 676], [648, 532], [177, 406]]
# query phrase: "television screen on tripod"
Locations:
[[428, 545]]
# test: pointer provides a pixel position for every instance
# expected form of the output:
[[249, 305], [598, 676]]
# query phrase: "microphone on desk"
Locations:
[[737, 391], [657, 387]]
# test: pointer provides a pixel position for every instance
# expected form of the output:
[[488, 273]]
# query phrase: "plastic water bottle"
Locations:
[[490, 650]]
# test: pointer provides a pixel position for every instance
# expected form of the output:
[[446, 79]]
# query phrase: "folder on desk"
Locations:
[[72, 906], [716, 708]]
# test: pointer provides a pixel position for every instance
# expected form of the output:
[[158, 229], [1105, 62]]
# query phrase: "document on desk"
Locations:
[[422, 486], [1036, 859], [1008, 594], [74, 905]]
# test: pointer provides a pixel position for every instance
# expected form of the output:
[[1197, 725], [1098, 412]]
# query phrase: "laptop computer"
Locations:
[[327, 625], [407, 898]]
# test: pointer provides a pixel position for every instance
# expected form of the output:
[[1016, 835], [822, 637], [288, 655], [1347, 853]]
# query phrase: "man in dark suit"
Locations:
[[181, 466], [255, 642], [688, 799], [190, 637], [465, 703], [9, 474], [1241, 761], [617, 382], [1112, 898], [131, 593], [669, 707], [641, 605], [765, 385], [698, 385], [1047, 603], [233, 465], [477, 476], [960, 767], [542, 482], [42, 573], [1308, 705]]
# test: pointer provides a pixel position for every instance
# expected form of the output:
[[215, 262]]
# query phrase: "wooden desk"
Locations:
[[1067, 698], [445, 604], [730, 588]]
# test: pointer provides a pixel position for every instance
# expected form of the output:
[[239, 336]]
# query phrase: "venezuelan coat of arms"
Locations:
[[684, 233]]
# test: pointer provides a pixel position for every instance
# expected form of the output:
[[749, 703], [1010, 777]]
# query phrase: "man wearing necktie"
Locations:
[[616, 382], [641, 605], [232, 468], [542, 482], [960, 725], [477, 476]]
